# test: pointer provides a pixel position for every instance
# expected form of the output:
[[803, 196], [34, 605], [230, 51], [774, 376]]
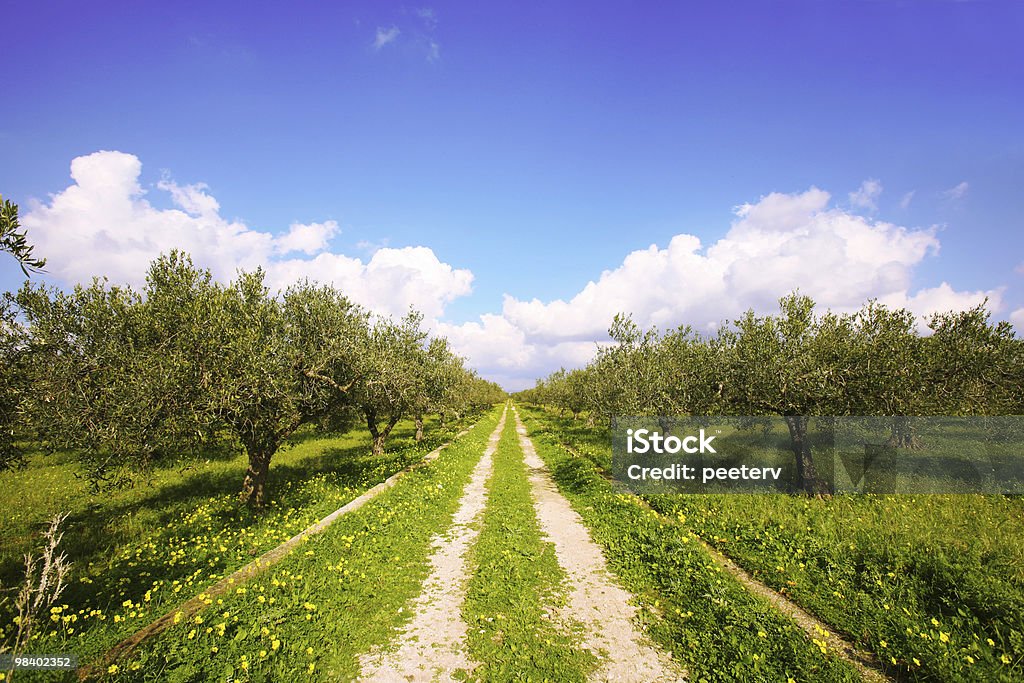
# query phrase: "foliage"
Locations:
[[127, 379], [13, 384], [390, 371], [798, 363], [14, 241]]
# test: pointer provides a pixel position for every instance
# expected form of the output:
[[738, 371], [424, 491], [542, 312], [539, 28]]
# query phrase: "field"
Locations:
[[930, 587], [138, 552]]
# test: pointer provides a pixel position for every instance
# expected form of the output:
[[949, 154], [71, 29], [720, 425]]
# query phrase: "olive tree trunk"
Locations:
[[254, 484], [806, 472], [260, 446], [377, 433], [903, 434]]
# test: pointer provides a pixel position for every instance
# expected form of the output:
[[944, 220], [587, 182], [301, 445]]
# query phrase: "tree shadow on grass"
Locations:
[[98, 531]]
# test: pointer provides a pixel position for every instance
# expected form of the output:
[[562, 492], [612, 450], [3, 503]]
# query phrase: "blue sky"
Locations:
[[537, 145]]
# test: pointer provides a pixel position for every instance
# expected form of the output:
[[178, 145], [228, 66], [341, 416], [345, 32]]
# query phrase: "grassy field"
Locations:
[[339, 595], [934, 585], [137, 552]]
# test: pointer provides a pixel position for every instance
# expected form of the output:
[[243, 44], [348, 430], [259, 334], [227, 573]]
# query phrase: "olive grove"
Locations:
[[799, 363], [127, 380]]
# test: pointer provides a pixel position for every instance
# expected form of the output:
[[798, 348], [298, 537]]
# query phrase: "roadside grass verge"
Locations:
[[517, 585], [689, 605], [140, 551], [933, 584], [336, 596]]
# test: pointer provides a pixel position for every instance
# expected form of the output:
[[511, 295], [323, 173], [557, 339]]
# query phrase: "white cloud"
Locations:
[[907, 198], [1017, 318], [390, 282], [309, 239], [780, 243], [385, 36], [506, 354], [958, 192], [417, 34], [866, 195], [428, 16], [926, 302], [191, 198], [102, 224]]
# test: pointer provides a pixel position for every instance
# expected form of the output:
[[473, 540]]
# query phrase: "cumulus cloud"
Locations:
[[103, 224], [928, 301], [385, 36], [958, 192], [866, 195], [907, 198], [309, 239], [390, 282], [780, 243], [1017, 318]]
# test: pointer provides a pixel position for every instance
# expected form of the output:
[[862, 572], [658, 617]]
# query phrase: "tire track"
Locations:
[[594, 600]]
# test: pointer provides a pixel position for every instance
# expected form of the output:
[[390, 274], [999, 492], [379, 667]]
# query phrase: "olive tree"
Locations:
[[769, 368], [90, 378], [389, 366], [13, 383], [974, 366], [630, 376], [126, 380], [278, 363], [440, 375], [13, 342]]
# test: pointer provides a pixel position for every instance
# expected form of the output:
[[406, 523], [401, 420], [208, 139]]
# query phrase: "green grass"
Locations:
[[138, 552], [516, 583], [336, 596], [709, 622], [934, 585], [936, 579]]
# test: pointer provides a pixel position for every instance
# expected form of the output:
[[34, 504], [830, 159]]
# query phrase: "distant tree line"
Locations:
[[798, 363], [126, 380]]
